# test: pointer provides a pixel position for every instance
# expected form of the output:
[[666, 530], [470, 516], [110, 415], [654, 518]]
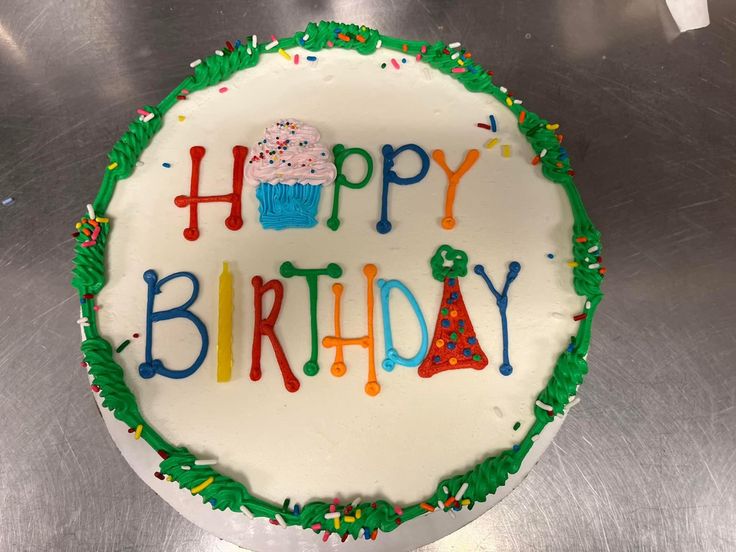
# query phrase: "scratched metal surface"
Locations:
[[646, 462]]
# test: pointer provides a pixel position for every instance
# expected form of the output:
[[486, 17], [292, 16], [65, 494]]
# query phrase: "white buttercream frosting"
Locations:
[[330, 438], [290, 153]]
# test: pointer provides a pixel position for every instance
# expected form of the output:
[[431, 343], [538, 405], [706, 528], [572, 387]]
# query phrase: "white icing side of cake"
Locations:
[[330, 438]]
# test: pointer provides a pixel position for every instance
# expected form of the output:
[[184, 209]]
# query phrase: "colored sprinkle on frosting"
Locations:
[[120, 348]]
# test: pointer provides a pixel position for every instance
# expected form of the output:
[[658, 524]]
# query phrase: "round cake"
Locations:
[[337, 283]]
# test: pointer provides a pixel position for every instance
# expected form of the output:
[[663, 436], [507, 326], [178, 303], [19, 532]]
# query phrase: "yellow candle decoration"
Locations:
[[225, 326]]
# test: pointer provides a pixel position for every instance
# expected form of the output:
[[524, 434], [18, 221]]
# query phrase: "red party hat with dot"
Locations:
[[454, 344]]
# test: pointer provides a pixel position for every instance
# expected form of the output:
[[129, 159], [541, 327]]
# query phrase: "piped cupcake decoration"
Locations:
[[288, 168]]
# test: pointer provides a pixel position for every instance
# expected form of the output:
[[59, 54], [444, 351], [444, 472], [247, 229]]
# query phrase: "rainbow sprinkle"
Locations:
[[202, 486]]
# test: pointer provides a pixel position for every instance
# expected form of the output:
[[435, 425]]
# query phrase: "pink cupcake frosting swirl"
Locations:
[[290, 153]]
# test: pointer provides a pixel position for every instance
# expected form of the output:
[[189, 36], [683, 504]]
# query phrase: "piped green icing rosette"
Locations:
[[360, 518]]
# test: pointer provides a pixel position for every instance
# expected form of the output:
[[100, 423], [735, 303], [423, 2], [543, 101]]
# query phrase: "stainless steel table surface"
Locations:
[[646, 462]]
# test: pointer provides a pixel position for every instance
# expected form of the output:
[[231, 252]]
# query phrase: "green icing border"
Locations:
[[225, 493]]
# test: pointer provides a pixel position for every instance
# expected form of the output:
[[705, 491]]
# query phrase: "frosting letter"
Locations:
[[153, 366], [389, 176], [225, 326], [502, 301], [265, 326], [341, 154], [372, 387], [453, 179], [454, 344], [235, 220], [288, 270], [392, 356]]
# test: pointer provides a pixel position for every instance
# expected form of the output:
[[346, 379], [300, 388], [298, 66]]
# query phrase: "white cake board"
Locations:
[[261, 536]]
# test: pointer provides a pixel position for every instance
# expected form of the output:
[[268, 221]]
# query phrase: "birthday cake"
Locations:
[[337, 281]]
